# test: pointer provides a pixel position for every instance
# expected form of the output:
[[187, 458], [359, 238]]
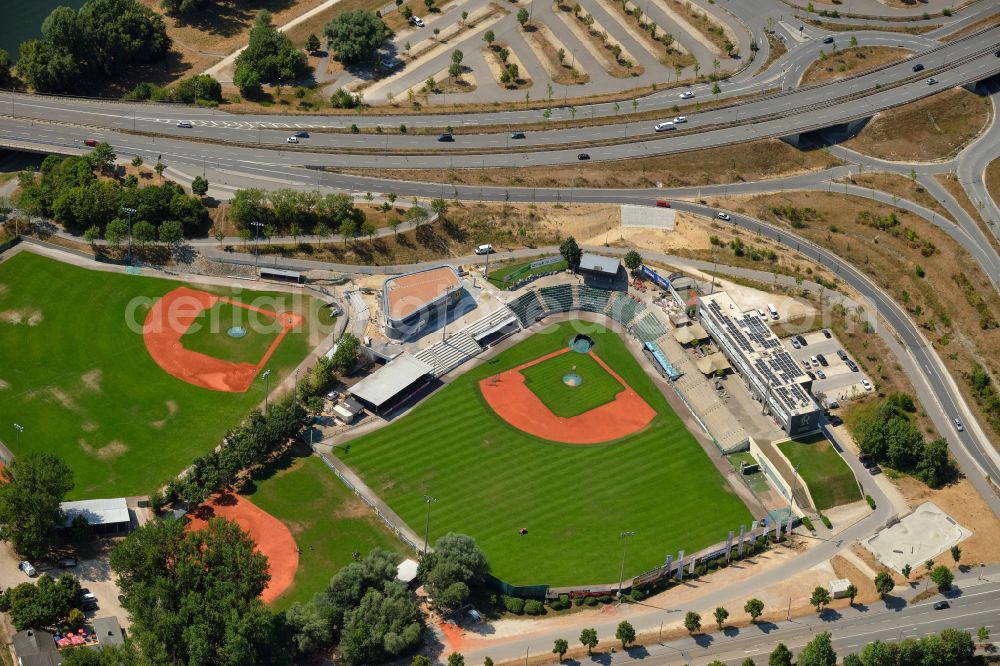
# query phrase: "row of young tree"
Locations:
[[198, 89], [72, 191], [81, 49], [890, 436]]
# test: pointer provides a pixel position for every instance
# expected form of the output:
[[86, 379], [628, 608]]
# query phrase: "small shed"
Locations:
[[347, 410], [105, 516], [838, 588], [34, 647], [406, 572], [108, 630]]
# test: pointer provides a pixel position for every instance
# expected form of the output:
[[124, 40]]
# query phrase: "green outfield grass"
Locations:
[[546, 381], [80, 381], [831, 482], [498, 276], [209, 335], [328, 521], [491, 479]]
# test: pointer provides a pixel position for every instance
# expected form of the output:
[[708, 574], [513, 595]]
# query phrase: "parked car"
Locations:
[[583, 156], [931, 81], [796, 345], [852, 365], [664, 126], [662, 203], [90, 142], [87, 600], [822, 360], [517, 135], [874, 469], [918, 67], [724, 216], [958, 426], [827, 334], [26, 567], [842, 354], [941, 605], [446, 137], [67, 563], [815, 361], [301, 134], [416, 21], [821, 374], [185, 123], [292, 139], [866, 460], [687, 94], [680, 119], [802, 341], [866, 384], [485, 249], [836, 420]]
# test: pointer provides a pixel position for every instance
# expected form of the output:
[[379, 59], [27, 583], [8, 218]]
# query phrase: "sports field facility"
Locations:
[[76, 373], [548, 380], [491, 478], [830, 481]]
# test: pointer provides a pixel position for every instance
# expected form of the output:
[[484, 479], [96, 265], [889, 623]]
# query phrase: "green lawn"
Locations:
[[497, 276], [328, 521], [546, 381], [831, 482], [78, 377], [491, 479], [209, 333]]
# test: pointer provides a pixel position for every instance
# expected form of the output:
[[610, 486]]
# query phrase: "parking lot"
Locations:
[[840, 382]]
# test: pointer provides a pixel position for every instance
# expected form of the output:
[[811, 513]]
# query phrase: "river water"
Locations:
[[22, 20]]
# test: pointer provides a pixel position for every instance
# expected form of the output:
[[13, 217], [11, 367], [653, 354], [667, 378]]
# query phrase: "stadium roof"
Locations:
[[595, 263], [409, 293], [396, 375], [97, 511]]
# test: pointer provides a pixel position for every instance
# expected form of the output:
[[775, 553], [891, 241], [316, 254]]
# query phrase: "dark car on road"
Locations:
[[941, 605], [446, 137], [583, 156], [301, 134], [828, 40], [517, 135], [918, 67]]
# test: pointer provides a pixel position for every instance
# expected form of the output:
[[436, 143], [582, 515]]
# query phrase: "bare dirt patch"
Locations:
[[27, 316], [955, 189], [92, 379], [109, 451], [987, 22], [899, 186], [851, 61], [758, 160], [4, 385], [992, 186], [842, 568], [88, 426], [935, 128], [64, 399], [776, 49], [3, 290]]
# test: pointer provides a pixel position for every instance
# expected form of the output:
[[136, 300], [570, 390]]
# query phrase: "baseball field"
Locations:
[[77, 373], [491, 478]]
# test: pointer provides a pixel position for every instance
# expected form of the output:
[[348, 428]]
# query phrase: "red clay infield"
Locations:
[[171, 316], [516, 404], [270, 534]]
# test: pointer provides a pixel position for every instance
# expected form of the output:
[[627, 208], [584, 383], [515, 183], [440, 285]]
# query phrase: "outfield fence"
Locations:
[[9, 243]]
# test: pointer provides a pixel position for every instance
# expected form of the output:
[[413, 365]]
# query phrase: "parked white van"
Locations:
[[773, 311]]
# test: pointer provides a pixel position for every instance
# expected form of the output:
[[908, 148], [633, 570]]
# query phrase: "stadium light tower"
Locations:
[[130, 212], [257, 226], [18, 428], [427, 525], [266, 374], [621, 576], [795, 485]]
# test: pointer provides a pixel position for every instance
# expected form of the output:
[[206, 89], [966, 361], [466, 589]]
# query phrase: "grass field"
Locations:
[[208, 334], [498, 276], [328, 521], [490, 479], [545, 380], [80, 381], [831, 482]]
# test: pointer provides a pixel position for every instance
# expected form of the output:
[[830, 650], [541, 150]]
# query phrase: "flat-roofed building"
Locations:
[[412, 300]]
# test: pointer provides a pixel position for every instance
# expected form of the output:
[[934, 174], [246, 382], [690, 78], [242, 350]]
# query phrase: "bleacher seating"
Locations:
[[649, 328], [625, 309], [488, 322], [528, 308], [450, 353], [592, 300], [557, 298]]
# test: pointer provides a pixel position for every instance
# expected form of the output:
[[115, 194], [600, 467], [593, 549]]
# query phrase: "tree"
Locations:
[[171, 232], [748, 662], [199, 186], [440, 207], [883, 584], [159, 169], [934, 466], [818, 652], [692, 622], [5, 65], [489, 38], [143, 232], [394, 223], [852, 592], [193, 596], [455, 658], [983, 634], [312, 43], [346, 355], [116, 232], [721, 615], [820, 597], [956, 553], [421, 660], [42, 604], [355, 35], [907, 570], [456, 558], [269, 56], [102, 158], [487, 662], [754, 608], [92, 233], [137, 161], [31, 489], [560, 648], [632, 260], [942, 577], [625, 633], [780, 656], [716, 89], [588, 637], [522, 17], [571, 252], [854, 41], [417, 215]]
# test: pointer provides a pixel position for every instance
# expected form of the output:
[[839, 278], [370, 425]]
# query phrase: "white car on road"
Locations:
[[417, 21], [723, 216], [664, 126], [184, 123], [687, 94], [292, 139], [680, 119], [867, 384]]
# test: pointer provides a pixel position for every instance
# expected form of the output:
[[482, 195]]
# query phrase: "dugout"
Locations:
[[106, 517], [393, 384], [281, 275], [602, 272]]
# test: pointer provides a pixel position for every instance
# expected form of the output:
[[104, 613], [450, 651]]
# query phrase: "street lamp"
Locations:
[[20, 428], [621, 576], [267, 383], [256, 245], [795, 484], [427, 525], [130, 212]]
